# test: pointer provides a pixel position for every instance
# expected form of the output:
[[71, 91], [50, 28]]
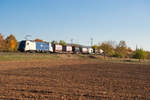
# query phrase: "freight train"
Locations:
[[33, 46]]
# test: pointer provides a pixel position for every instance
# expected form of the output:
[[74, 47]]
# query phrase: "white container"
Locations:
[[69, 48], [58, 47], [84, 50]]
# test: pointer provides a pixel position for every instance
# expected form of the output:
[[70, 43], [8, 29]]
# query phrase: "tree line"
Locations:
[[121, 50], [110, 48], [8, 44]]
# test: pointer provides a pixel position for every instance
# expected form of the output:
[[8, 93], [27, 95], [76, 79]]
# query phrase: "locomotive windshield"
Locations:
[[22, 45]]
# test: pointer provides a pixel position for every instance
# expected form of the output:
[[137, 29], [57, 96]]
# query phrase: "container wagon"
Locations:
[[84, 50], [67, 49], [76, 50], [57, 48]]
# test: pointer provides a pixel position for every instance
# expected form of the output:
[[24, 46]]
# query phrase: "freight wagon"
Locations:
[[75, 49], [67, 49], [84, 50], [57, 48]]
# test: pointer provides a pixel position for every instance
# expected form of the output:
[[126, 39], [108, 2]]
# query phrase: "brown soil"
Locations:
[[73, 80]]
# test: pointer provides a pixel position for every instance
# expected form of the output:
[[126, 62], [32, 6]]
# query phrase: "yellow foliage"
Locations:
[[95, 47], [12, 44]]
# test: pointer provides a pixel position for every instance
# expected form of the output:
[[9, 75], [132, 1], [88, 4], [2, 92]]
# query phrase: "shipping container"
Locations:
[[84, 50], [57, 48], [75, 49], [67, 49]]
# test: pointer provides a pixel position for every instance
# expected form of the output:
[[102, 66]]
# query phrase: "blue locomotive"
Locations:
[[33, 46]]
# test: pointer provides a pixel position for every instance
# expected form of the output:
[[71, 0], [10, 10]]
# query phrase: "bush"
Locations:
[[121, 50], [119, 55], [63, 43], [2, 43], [140, 54], [148, 55], [107, 48]]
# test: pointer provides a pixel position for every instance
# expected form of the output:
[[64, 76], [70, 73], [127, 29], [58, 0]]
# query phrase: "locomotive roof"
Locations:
[[35, 41], [68, 44]]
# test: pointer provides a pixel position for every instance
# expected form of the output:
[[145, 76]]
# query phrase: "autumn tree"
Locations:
[[95, 46], [121, 50], [140, 54], [38, 40], [129, 52], [11, 43], [63, 43], [107, 48], [148, 55], [2, 43]]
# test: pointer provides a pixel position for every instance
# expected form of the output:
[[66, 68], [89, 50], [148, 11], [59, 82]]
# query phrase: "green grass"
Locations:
[[127, 60], [114, 59], [25, 56], [6, 56]]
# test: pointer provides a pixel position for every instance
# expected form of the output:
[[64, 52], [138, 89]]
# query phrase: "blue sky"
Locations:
[[79, 20]]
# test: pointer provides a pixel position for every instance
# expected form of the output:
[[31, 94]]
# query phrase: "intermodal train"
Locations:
[[33, 46]]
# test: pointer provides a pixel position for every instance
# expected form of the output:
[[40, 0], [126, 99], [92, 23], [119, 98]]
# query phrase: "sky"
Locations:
[[78, 20]]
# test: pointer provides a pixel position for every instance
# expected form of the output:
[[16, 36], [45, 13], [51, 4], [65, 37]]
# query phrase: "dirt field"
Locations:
[[73, 80]]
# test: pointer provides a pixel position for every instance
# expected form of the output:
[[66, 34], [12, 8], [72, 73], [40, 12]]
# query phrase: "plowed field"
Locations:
[[73, 80]]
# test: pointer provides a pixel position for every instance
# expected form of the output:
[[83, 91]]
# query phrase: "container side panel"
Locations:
[[69, 48]]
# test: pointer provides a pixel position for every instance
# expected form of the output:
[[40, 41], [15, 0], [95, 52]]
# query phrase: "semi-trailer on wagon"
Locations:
[[67, 49], [57, 48]]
